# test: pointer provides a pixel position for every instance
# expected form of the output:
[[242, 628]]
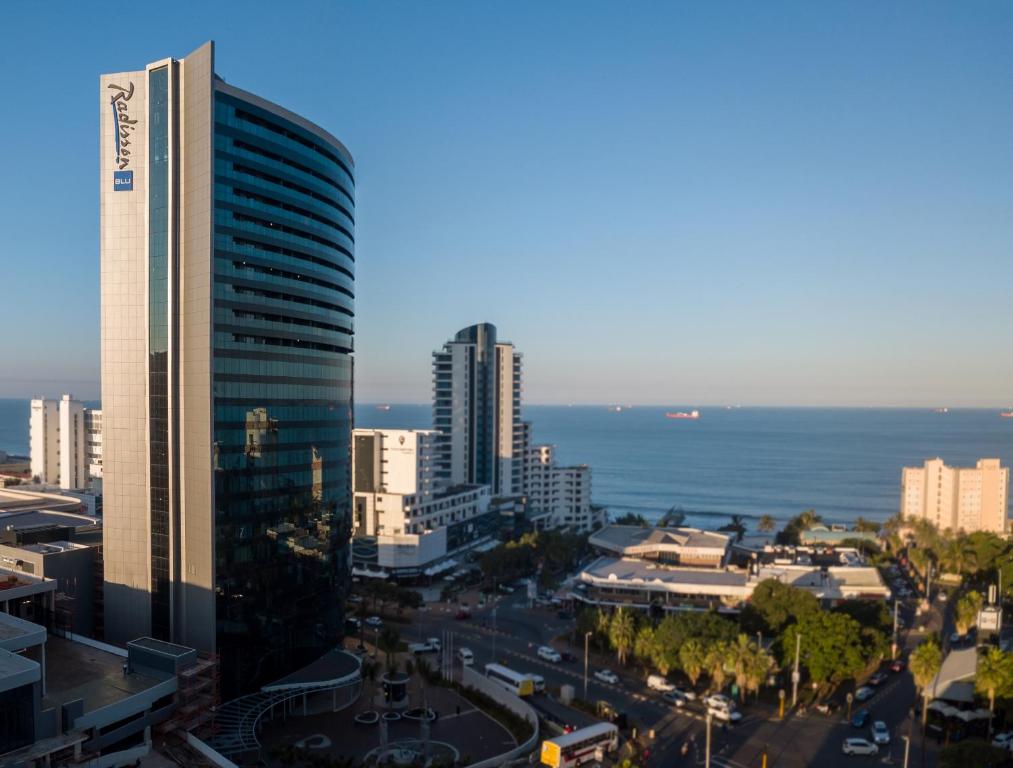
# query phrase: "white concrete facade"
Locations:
[[957, 498], [66, 442], [559, 497]]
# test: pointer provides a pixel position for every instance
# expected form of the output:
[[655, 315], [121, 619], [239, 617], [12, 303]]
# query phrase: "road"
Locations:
[[513, 635]]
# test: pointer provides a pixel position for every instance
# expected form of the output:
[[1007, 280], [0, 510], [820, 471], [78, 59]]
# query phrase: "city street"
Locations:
[[513, 635]]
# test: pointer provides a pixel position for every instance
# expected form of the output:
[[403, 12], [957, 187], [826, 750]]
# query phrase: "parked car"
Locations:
[[864, 693], [717, 700], [686, 693], [549, 654], [606, 676], [374, 621], [659, 683], [860, 719], [898, 665], [674, 697], [431, 645], [878, 679], [466, 656], [506, 589], [827, 708], [567, 656], [880, 733], [855, 746], [942, 597]]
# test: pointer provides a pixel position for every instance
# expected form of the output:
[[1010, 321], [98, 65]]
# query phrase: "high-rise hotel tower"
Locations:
[[477, 410], [227, 254]]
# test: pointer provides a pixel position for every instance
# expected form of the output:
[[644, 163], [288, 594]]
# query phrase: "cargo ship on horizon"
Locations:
[[682, 415]]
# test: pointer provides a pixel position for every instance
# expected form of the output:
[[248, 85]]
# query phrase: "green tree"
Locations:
[[718, 662], [831, 650], [994, 676], [801, 522], [775, 605], [622, 633], [736, 526], [766, 524], [643, 646], [924, 664], [631, 518], [967, 610], [865, 526], [388, 642], [692, 659]]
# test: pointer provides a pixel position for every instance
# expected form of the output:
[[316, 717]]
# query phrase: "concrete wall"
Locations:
[[475, 680]]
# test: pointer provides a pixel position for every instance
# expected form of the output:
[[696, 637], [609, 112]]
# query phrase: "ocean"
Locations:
[[842, 462]]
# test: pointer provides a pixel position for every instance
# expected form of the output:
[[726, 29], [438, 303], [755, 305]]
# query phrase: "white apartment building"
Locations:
[[559, 497], [66, 442], [957, 498], [405, 520]]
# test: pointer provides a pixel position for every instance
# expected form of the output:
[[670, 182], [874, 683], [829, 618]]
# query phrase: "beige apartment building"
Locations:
[[957, 498]]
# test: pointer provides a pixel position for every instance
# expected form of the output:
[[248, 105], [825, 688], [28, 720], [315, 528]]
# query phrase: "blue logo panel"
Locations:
[[123, 181]]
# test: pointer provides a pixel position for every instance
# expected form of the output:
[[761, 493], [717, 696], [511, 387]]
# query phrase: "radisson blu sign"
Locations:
[[123, 128]]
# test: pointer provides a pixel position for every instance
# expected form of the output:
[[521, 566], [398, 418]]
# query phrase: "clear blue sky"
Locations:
[[678, 203]]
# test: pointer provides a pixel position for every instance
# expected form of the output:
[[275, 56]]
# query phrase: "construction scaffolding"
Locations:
[[197, 699]]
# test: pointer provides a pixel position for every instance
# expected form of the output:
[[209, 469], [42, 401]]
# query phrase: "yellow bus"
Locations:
[[572, 749], [522, 685]]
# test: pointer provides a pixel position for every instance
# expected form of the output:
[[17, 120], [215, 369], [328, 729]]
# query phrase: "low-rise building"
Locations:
[[559, 496], [406, 522], [964, 499], [672, 569]]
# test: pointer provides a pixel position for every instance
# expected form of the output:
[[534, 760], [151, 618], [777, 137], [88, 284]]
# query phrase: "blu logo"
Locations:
[[123, 181]]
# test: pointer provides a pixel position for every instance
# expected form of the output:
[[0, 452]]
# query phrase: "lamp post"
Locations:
[[587, 638], [907, 749], [707, 742], [794, 674]]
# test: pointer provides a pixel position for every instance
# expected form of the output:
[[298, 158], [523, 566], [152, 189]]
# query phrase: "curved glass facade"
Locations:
[[283, 303]]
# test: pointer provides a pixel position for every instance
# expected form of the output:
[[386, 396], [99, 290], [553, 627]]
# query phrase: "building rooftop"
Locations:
[[955, 680], [630, 539], [17, 634], [333, 667], [78, 671], [605, 570], [20, 500]]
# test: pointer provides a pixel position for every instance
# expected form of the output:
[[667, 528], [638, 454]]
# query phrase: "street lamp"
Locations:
[[907, 749], [707, 742], [587, 638]]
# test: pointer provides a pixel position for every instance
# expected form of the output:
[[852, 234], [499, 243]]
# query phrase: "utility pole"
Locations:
[[587, 638], [494, 661], [794, 674], [907, 749], [707, 743]]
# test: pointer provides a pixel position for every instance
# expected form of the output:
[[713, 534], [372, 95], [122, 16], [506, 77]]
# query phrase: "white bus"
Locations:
[[515, 682], [572, 749]]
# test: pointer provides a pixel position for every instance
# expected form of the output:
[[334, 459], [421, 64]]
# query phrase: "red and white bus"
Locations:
[[580, 746]]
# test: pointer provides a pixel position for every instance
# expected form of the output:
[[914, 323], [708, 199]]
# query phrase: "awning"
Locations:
[[370, 574], [487, 546], [446, 565]]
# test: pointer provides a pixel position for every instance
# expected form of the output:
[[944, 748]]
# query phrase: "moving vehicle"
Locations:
[[606, 676], [880, 733], [727, 714], [861, 719], [466, 656], [878, 679], [674, 698], [855, 746], [549, 654], [515, 682], [431, 645], [898, 665], [506, 589], [864, 693], [374, 621], [577, 747], [659, 683], [539, 682], [717, 700], [686, 693], [1003, 740]]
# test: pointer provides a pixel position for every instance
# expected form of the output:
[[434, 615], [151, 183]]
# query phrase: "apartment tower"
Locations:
[[477, 410], [227, 261], [957, 498]]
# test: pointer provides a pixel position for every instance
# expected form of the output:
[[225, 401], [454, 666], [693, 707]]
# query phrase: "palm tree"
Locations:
[[716, 662], [924, 664], [808, 519], [766, 523], [966, 613], [622, 632], [994, 673], [692, 659], [388, 642]]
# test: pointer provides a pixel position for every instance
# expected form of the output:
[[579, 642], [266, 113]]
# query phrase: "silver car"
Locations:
[[856, 746]]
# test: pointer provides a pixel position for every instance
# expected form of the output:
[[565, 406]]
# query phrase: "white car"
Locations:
[[880, 733], [674, 698], [727, 714], [539, 682], [606, 676], [687, 694], [855, 746], [549, 654], [466, 656], [864, 693], [659, 683], [374, 621], [716, 700]]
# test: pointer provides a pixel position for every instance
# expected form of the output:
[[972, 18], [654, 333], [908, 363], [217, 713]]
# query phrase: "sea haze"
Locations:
[[842, 462]]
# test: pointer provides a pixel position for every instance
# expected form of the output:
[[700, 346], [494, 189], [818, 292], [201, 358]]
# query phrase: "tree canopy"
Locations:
[[774, 605], [832, 648]]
